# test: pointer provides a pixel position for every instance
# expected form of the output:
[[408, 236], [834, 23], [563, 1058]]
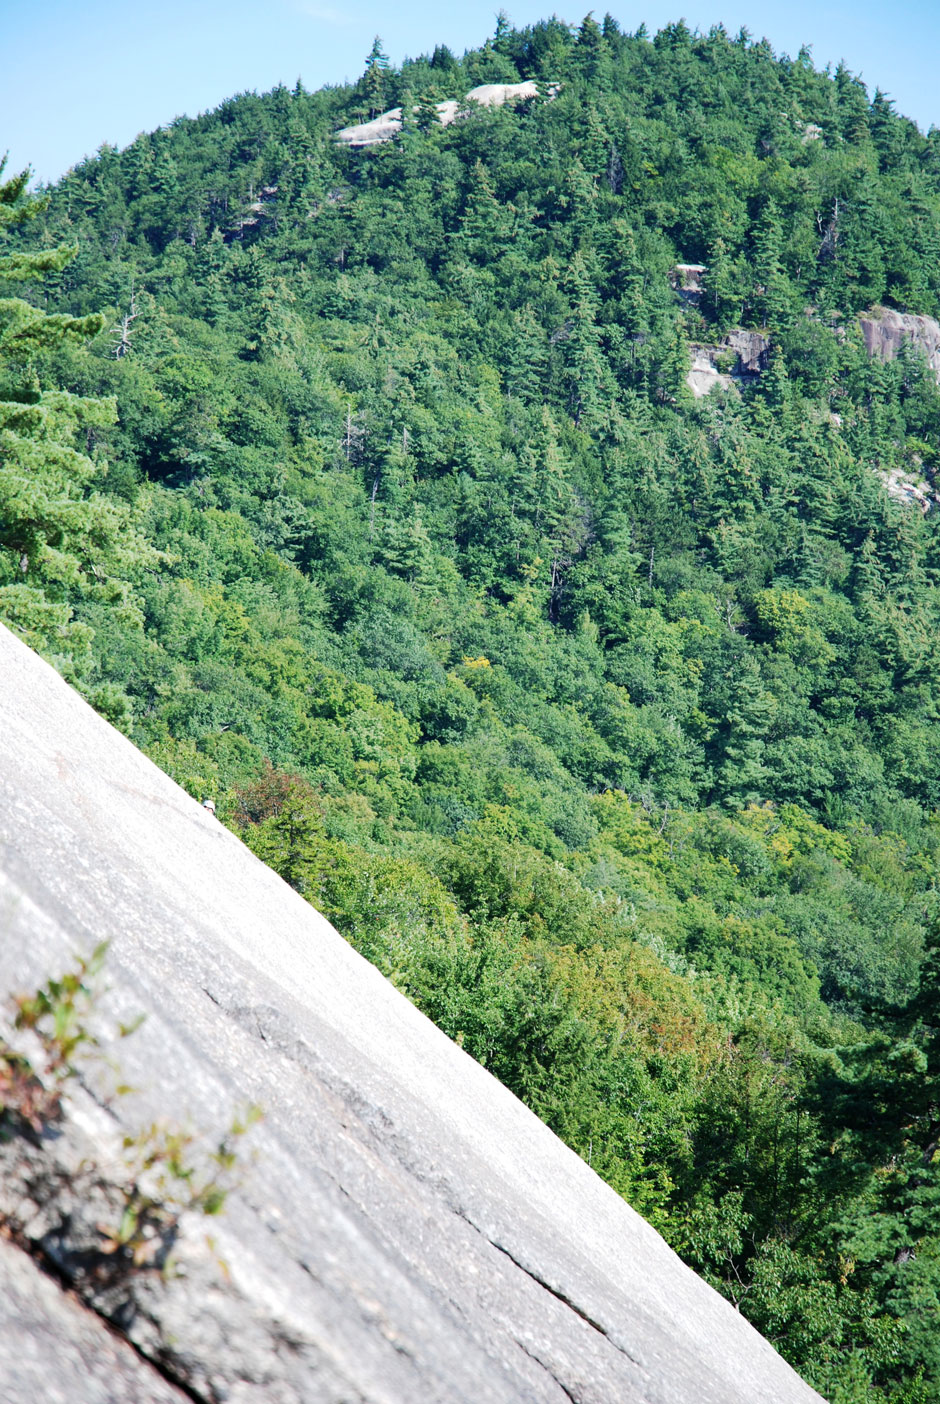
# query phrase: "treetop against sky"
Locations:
[[103, 71]]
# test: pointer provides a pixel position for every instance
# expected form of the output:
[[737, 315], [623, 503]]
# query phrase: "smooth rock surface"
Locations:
[[886, 331], [407, 1231], [388, 124], [54, 1351]]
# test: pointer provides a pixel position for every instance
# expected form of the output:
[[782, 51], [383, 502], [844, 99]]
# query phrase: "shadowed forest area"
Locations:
[[364, 490]]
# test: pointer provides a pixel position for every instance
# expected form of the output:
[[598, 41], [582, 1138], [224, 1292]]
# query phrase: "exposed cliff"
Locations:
[[741, 356], [738, 358], [388, 124], [887, 331], [407, 1230]]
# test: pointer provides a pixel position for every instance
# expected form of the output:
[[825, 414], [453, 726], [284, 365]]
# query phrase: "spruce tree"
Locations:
[[61, 541], [374, 80]]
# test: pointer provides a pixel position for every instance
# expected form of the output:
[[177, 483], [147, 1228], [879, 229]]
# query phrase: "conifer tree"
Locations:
[[772, 294], [484, 226], [586, 373], [374, 80], [61, 541], [409, 123], [742, 775], [427, 117], [591, 51], [721, 295]]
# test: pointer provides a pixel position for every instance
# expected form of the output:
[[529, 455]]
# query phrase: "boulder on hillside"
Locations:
[[686, 280]]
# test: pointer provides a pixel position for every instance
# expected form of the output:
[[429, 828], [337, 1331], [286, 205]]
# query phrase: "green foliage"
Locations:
[[58, 1016], [61, 540], [600, 718], [170, 1172]]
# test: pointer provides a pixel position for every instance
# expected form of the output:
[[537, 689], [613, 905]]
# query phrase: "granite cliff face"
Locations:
[[388, 124], [738, 359], [886, 331], [406, 1231]]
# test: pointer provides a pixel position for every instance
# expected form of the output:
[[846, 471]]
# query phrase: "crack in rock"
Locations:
[[158, 1363], [575, 1399], [557, 1293]]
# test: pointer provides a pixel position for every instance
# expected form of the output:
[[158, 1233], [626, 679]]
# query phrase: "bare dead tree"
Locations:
[[353, 435], [830, 233], [375, 488], [124, 329]]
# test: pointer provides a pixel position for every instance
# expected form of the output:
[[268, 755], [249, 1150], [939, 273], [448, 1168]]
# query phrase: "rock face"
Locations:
[[704, 374], [39, 1323], [686, 280], [738, 359], [908, 488], [886, 331], [388, 124], [406, 1230]]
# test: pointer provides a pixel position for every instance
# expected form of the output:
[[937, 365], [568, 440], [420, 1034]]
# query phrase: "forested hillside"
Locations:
[[603, 719]]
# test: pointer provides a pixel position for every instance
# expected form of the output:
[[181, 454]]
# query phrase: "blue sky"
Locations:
[[82, 72]]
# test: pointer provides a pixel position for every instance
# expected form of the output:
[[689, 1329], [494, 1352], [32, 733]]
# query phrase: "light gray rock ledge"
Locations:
[[407, 1231]]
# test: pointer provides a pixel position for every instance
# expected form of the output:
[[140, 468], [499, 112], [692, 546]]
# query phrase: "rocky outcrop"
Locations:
[[887, 331], [388, 124], [686, 280], [256, 212], [704, 375], [752, 349], [737, 359], [908, 488], [406, 1231]]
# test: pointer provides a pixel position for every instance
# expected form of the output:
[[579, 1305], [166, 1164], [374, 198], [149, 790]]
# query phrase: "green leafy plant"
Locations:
[[58, 1014], [170, 1174]]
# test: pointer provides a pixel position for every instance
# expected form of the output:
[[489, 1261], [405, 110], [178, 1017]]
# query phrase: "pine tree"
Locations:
[[485, 224], [409, 124], [721, 295], [591, 54], [772, 291], [673, 369], [868, 573], [374, 80], [427, 117], [742, 775], [60, 540], [586, 373], [581, 202]]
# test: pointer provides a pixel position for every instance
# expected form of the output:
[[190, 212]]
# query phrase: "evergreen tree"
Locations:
[[374, 81], [772, 293], [586, 373], [485, 223], [742, 775], [61, 541], [721, 288]]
